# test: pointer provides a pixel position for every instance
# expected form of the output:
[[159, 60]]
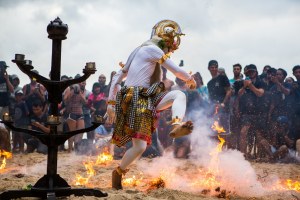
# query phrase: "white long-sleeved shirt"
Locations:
[[143, 62]]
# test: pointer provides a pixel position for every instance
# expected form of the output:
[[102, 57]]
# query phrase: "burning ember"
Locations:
[[287, 184], [133, 181], [104, 158], [157, 183], [6, 155]]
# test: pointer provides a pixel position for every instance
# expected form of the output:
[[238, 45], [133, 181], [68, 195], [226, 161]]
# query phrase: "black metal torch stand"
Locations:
[[52, 185]]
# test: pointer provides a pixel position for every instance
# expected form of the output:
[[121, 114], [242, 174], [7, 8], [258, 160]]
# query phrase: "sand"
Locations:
[[25, 169]]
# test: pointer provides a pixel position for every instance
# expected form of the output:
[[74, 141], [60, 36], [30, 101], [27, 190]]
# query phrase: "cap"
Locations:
[[3, 64], [14, 76], [213, 62], [251, 67], [19, 92]]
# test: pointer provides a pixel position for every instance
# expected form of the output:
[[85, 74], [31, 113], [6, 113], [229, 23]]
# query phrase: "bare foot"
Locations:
[[179, 130]]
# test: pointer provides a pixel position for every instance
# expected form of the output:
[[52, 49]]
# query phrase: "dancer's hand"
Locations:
[[191, 84], [111, 114]]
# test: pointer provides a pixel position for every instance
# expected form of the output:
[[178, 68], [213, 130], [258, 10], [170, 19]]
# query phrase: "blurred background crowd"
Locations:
[[259, 111]]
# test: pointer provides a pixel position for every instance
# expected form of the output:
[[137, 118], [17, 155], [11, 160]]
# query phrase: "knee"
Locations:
[[180, 95], [141, 146]]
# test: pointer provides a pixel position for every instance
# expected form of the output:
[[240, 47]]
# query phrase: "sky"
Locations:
[[232, 31]]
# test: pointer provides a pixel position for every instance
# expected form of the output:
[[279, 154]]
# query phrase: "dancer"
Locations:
[[134, 105]]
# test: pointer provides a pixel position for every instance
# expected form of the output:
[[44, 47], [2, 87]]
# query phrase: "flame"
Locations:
[[81, 180], [6, 155], [3, 164], [104, 158], [287, 184], [218, 128], [89, 167], [132, 181]]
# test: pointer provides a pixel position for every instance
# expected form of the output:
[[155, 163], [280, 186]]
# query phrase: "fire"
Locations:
[[3, 164], [217, 127], [104, 158], [133, 181], [6, 155], [89, 167], [81, 180], [287, 184]]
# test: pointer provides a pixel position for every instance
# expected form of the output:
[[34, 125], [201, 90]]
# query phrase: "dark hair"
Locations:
[[267, 66], [271, 71], [283, 72], [212, 62], [96, 85], [237, 65], [296, 67]]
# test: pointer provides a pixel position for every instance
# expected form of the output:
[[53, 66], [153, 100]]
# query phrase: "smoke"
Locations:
[[232, 172]]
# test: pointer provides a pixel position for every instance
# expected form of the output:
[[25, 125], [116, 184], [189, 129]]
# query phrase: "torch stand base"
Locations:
[[51, 194], [50, 187]]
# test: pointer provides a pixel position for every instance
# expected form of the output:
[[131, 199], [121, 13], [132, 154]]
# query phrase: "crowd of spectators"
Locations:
[[259, 112]]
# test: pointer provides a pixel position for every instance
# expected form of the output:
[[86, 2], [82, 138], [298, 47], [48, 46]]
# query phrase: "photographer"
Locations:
[[6, 88], [34, 91], [74, 99]]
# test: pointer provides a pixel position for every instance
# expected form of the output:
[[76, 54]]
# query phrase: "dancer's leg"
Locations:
[[177, 100], [137, 149]]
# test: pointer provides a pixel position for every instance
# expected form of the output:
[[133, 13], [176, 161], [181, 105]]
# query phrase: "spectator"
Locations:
[[263, 75], [74, 101], [279, 91], [38, 121], [295, 96], [236, 83], [248, 94], [281, 143], [6, 88], [269, 83], [87, 112], [103, 88], [201, 88], [289, 80], [221, 71], [237, 69], [219, 94], [34, 91], [21, 120]]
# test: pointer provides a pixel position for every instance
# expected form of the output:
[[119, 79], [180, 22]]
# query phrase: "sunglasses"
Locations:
[[36, 105]]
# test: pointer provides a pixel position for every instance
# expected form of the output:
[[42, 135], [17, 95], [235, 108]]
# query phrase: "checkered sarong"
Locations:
[[136, 113]]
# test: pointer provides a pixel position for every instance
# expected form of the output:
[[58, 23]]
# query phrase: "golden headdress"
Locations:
[[169, 31]]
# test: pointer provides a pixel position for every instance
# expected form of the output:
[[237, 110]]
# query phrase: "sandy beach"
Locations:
[[179, 177]]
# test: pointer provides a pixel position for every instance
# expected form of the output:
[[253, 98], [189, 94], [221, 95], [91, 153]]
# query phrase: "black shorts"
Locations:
[[75, 117]]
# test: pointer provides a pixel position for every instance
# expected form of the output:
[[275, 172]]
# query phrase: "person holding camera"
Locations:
[[74, 99], [34, 91]]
